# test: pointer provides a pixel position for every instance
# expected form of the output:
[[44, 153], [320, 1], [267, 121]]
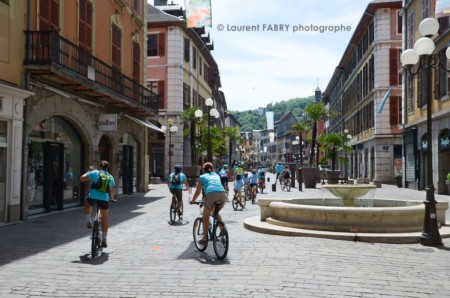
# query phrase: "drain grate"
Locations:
[[428, 250]]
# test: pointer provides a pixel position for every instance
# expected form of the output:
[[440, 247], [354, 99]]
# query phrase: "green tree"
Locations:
[[315, 111], [332, 144]]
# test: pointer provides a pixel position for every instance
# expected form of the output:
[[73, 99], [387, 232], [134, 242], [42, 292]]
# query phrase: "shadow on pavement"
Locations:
[[58, 228], [86, 259], [208, 257]]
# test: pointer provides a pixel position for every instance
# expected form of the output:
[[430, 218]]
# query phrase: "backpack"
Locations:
[[102, 183], [176, 179]]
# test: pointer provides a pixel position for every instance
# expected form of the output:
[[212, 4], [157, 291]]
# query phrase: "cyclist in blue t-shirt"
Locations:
[[99, 196], [176, 187]]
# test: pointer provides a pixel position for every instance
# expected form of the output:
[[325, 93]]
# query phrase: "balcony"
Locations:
[[58, 62]]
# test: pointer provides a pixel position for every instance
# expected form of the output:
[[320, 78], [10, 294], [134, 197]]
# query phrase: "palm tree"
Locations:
[[332, 144], [315, 111], [298, 129]]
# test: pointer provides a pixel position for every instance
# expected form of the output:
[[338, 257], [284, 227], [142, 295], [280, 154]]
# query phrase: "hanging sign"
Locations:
[[107, 122]]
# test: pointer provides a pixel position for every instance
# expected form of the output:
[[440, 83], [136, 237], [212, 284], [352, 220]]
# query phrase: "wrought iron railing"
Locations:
[[49, 48]]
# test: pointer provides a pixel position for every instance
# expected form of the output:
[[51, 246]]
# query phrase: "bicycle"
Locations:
[[246, 192], [286, 184], [217, 232], [96, 235], [174, 210], [281, 179], [235, 202], [261, 185]]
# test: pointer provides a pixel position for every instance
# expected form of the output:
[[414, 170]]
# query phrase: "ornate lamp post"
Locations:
[[422, 58], [212, 112], [347, 138], [172, 130]]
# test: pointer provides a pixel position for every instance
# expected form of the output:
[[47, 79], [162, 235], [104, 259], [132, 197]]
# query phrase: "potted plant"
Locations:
[[315, 112], [333, 145]]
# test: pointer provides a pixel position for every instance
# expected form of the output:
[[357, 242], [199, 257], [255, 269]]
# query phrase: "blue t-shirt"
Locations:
[[254, 179], [238, 184], [182, 179], [95, 193], [261, 173], [279, 168], [211, 183]]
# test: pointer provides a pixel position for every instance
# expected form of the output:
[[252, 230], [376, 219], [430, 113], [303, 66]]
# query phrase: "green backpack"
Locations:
[[103, 182]]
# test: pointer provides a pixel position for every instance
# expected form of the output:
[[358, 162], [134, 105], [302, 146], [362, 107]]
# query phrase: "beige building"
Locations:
[[415, 109], [365, 91]]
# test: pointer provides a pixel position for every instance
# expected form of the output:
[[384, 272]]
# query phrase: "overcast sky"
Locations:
[[268, 63]]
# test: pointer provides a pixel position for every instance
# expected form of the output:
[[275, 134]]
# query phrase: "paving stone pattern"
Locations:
[[48, 256]]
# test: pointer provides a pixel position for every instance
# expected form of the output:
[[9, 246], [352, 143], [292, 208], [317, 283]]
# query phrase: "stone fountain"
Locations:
[[340, 218]]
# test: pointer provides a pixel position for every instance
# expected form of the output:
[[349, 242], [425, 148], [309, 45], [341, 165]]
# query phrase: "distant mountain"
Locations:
[[256, 119]]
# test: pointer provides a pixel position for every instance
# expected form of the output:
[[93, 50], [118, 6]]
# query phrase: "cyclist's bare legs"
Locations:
[[206, 214], [105, 221]]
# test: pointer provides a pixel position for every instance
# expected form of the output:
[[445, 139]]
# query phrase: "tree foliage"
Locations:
[[256, 119]]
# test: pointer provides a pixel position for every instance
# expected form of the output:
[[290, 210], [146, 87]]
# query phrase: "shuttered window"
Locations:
[[85, 24], [49, 15], [116, 46], [136, 61]]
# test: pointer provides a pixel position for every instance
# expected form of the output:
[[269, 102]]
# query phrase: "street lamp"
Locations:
[[212, 112], [172, 130], [298, 141], [347, 138], [422, 56]]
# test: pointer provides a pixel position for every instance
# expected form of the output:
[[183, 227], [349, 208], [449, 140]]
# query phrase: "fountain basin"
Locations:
[[327, 214], [349, 192]]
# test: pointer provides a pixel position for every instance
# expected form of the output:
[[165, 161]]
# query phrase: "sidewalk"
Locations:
[[48, 256]]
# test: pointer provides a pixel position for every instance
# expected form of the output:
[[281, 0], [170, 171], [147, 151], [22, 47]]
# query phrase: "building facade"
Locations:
[[365, 91], [13, 96], [182, 70], [415, 95], [85, 61]]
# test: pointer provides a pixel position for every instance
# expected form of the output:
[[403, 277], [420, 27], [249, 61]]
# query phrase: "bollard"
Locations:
[[274, 187], [268, 179]]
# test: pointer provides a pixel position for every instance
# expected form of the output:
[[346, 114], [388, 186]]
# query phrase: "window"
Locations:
[[49, 15], [194, 58], [394, 67], [116, 46], [399, 23], [85, 24], [410, 31], [395, 104], [156, 45], [157, 87], [137, 7], [136, 62], [186, 49], [409, 94], [425, 9]]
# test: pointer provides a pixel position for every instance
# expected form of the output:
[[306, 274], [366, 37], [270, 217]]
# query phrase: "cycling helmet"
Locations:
[[245, 174], [254, 171], [225, 166], [177, 168]]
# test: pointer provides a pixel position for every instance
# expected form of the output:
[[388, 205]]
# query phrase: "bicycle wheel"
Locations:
[[198, 232], [95, 240], [235, 202], [283, 185], [173, 211], [261, 187], [288, 184], [220, 240], [253, 198]]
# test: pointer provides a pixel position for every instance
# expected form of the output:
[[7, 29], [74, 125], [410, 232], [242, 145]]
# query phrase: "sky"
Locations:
[[282, 53]]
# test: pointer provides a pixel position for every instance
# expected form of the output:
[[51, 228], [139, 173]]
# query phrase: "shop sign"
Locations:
[[444, 141], [107, 122]]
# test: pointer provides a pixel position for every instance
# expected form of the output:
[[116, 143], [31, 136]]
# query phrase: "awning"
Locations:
[[383, 101], [145, 123]]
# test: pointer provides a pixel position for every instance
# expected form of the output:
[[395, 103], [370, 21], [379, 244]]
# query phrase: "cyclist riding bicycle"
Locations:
[[253, 182], [101, 192], [210, 183], [175, 183], [237, 187], [286, 173], [262, 176], [224, 174]]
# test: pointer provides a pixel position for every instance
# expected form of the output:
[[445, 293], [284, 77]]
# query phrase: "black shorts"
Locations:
[[178, 193], [104, 205]]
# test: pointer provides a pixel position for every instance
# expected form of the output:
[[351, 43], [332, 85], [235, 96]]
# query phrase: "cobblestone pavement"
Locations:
[[48, 256]]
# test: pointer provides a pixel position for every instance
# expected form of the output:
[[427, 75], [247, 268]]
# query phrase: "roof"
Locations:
[[155, 15]]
